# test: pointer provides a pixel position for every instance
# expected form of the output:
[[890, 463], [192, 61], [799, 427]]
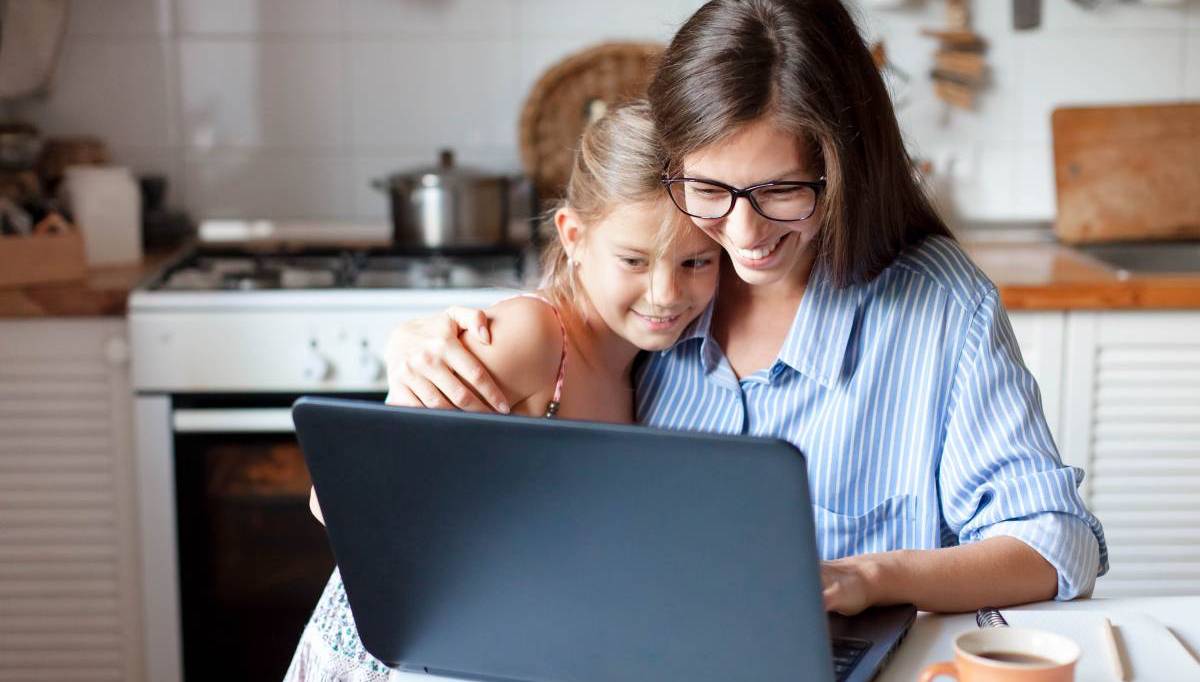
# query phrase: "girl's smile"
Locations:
[[660, 323]]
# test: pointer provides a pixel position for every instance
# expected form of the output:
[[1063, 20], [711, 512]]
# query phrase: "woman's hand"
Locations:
[[427, 365], [849, 584], [999, 571]]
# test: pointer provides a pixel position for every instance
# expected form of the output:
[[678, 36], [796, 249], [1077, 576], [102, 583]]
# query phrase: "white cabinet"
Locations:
[[1040, 336], [1121, 390], [69, 600], [1132, 413]]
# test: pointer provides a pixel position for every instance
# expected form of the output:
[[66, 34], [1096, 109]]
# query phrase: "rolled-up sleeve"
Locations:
[[1000, 472]]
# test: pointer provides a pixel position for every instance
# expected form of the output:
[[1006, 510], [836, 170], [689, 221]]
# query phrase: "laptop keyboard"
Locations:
[[846, 654]]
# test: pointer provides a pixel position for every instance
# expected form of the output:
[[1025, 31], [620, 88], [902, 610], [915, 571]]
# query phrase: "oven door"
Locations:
[[252, 559]]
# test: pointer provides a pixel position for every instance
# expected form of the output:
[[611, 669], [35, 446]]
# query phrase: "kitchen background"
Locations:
[[287, 108], [154, 499]]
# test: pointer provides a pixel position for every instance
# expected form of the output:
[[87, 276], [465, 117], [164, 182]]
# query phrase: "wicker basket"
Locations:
[[571, 94]]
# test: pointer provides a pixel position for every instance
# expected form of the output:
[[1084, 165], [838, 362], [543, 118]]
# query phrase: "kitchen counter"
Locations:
[[1050, 276], [103, 293], [1031, 275]]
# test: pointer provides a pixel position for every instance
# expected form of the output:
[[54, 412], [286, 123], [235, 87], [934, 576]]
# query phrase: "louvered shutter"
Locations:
[[1133, 387], [68, 573], [1040, 337]]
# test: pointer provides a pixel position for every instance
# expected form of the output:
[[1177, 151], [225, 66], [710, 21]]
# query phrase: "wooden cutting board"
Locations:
[[1127, 173]]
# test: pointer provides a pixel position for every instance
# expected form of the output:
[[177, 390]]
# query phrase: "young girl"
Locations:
[[849, 322], [627, 274]]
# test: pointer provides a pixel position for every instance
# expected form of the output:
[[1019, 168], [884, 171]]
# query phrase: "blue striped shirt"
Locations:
[[908, 396]]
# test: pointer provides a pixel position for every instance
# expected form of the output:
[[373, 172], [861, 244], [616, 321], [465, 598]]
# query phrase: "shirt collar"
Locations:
[[699, 327], [700, 331], [817, 343], [819, 338]]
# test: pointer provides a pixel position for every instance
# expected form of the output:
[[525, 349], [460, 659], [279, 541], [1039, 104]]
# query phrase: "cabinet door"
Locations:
[[1132, 410], [68, 579], [1040, 336]]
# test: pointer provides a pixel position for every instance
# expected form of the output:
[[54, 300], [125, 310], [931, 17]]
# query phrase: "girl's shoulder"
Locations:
[[526, 348], [534, 314]]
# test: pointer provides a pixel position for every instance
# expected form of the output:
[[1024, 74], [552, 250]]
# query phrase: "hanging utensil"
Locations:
[[1027, 14]]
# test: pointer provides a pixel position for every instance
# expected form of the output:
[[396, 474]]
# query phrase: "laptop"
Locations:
[[503, 548]]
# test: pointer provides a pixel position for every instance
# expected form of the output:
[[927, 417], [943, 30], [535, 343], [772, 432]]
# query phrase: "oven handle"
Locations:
[[233, 420]]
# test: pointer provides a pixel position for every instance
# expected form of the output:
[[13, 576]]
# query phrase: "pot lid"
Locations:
[[445, 173]]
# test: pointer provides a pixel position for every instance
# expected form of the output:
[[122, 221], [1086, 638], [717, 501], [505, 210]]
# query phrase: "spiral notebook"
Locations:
[[1151, 652]]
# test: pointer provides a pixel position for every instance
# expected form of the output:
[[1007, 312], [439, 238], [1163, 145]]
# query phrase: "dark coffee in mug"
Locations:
[[1016, 657], [1010, 654]]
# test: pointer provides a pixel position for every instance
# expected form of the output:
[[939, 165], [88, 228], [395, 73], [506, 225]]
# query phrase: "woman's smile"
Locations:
[[760, 256]]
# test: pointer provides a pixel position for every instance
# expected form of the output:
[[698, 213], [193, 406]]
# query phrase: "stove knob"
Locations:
[[316, 366], [370, 368]]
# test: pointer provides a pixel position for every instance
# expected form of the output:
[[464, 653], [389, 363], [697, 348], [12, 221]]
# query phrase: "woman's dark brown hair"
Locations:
[[804, 64]]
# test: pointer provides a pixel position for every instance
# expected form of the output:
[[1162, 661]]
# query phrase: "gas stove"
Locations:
[[223, 339], [323, 269], [288, 310]]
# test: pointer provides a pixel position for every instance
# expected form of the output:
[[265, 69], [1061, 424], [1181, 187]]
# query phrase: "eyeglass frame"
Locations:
[[817, 186]]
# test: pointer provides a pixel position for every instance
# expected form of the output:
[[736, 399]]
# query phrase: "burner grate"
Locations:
[[203, 271]]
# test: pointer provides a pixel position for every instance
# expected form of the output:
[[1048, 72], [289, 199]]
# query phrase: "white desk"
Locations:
[[932, 637]]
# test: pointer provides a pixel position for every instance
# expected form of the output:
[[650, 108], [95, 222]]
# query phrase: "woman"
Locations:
[[847, 321]]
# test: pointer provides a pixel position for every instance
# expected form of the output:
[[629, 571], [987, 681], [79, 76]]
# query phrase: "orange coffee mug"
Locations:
[[1008, 655]]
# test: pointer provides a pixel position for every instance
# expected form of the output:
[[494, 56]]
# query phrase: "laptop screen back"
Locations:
[[506, 548]]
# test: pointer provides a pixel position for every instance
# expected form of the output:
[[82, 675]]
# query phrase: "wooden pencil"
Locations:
[[1114, 652]]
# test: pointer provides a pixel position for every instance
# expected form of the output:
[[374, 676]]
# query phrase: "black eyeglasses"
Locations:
[[783, 201]]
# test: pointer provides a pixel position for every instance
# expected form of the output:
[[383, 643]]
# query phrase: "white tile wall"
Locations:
[[121, 18], [116, 89], [1191, 68], [984, 179], [1033, 181], [1093, 67], [429, 18], [289, 107], [262, 93], [596, 21], [1063, 15], [260, 17], [241, 183]]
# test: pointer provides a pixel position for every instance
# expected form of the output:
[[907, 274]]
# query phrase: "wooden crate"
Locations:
[[53, 253]]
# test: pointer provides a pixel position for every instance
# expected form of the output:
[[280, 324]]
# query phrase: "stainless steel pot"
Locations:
[[447, 207]]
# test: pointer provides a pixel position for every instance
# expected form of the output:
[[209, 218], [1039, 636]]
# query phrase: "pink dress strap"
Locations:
[[552, 408]]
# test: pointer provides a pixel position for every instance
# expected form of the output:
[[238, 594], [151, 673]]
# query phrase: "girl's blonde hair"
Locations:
[[619, 161]]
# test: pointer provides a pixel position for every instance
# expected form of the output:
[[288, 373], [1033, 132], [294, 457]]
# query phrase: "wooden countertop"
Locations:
[[1030, 276], [102, 294], [1049, 276]]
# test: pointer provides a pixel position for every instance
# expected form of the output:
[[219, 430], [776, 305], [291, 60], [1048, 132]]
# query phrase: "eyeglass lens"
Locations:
[[700, 199]]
